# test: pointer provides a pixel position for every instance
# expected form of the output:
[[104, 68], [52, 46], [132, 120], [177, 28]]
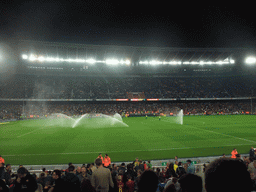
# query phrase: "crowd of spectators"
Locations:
[[67, 87], [223, 174], [10, 110]]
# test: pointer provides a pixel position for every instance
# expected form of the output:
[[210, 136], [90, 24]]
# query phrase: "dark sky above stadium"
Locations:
[[133, 23]]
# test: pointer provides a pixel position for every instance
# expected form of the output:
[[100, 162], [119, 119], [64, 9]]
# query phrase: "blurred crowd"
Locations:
[[9, 110], [223, 174], [66, 87]]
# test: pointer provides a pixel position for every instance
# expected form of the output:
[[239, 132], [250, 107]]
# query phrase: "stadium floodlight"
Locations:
[[92, 61], [153, 62], [250, 60], [186, 63], [41, 58], [50, 59], [194, 63], [127, 62], [232, 61], [32, 58], [80, 60], [112, 61], [70, 60], [143, 62], [24, 56], [209, 62], [57, 59]]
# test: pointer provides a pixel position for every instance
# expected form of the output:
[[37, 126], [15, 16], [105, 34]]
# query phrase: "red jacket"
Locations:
[[107, 161], [130, 186], [1, 160], [233, 153]]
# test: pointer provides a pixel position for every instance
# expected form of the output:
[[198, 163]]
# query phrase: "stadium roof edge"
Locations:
[[145, 48]]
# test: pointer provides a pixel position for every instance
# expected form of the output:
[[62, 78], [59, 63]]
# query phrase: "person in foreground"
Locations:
[[191, 183], [227, 174], [101, 178], [25, 181], [148, 182]]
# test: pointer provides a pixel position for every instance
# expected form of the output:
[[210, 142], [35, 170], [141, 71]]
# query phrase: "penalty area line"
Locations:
[[92, 152]]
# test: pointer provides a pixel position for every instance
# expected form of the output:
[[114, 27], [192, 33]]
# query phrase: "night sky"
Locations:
[[133, 23]]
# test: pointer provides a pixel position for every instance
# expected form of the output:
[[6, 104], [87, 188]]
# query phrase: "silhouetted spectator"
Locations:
[[170, 188], [148, 181], [180, 170], [86, 186], [3, 187], [72, 182], [122, 167], [170, 172], [7, 176], [227, 174], [191, 183], [2, 171], [88, 169]]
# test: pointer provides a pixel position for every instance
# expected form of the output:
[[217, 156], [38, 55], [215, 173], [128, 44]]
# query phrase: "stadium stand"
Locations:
[[50, 87]]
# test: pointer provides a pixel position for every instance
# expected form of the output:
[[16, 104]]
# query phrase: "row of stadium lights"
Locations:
[[92, 61], [249, 60], [187, 62]]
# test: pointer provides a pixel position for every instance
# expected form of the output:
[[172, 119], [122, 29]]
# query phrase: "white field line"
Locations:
[[224, 134], [91, 152], [221, 134], [28, 133]]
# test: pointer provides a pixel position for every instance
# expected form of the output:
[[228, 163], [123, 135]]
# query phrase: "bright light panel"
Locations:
[[41, 59], [112, 61], [250, 60], [32, 58], [24, 57], [92, 61]]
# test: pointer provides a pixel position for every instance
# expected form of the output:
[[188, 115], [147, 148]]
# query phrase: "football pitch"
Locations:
[[30, 142]]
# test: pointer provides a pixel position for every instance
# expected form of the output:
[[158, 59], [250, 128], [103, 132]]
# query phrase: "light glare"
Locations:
[[90, 61], [250, 60], [112, 61], [24, 57]]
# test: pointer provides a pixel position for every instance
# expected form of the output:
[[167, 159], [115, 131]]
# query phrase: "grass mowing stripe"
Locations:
[[92, 152]]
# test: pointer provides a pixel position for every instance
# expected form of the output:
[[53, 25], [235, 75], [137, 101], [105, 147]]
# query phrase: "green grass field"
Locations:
[[32, 143]]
